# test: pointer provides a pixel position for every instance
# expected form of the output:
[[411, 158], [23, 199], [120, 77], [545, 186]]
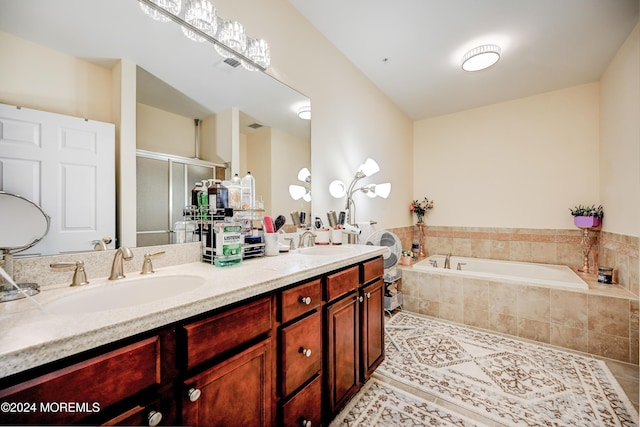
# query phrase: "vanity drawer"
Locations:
[[305, 406], [372, 269], [296, 301], [221, 332], [301, 352], [343, 282], [96, 383]]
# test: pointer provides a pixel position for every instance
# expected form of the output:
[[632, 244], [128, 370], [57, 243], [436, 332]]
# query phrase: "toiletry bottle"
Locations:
[[218, 195], [203, 201], [235, 193], [248, 191]]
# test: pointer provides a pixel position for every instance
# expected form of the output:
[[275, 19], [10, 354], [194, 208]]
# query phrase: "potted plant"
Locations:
[[587, 216]]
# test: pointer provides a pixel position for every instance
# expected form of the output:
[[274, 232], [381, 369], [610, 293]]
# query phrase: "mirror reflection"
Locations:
[[247, 120]]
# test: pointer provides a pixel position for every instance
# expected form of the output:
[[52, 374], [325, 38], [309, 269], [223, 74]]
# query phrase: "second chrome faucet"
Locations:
[[123, 253]]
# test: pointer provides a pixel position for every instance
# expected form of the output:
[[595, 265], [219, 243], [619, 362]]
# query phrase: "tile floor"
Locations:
[[626, 374]]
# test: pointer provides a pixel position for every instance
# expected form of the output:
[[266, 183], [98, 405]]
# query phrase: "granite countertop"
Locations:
[[31, 337]]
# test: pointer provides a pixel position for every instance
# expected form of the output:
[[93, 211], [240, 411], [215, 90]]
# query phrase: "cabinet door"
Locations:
[[236, 392], [372, 327], [342, 352]]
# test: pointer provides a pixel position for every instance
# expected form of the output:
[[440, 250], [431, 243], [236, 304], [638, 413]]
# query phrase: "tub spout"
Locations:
[[447, 261]]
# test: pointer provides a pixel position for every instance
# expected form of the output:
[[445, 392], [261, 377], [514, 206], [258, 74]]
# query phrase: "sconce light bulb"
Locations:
[[369, 167], [304, 175], [337, 189]]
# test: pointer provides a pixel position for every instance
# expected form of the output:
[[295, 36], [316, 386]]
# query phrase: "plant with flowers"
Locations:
[[421, 207]]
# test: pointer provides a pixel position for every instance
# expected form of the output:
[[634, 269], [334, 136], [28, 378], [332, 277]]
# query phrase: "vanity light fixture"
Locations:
[[232, 35], [305, 112], [200, 22], [481, 57], [202, 15], [171, 6]]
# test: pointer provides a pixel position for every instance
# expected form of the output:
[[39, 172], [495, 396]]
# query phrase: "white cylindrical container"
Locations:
[[235, 193], [271, 244], [248, 191]]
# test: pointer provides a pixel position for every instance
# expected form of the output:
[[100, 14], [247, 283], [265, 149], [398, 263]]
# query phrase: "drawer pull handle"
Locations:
[[368, 295], [360, 298], [154, 418], [194, 394], [306, 351], [305, 300], [305, 423]]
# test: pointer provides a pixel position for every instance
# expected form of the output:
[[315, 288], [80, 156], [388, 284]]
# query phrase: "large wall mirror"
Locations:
[[247, 120]]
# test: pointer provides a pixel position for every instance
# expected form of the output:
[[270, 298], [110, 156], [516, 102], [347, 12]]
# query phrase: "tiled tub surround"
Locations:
[[602, 321], [547, 246]]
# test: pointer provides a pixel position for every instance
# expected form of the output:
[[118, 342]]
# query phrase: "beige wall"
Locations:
[[45, 79], [165, 132], [521, 163], [620, 139], [352, 119]]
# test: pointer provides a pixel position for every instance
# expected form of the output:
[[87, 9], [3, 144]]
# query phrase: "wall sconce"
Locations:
[[298, 192], [338, 189]]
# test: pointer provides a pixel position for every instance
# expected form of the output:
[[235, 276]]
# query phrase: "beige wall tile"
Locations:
[[609, 315], [565, 336], [500, 249], [533, 303], [476, 317], [475, 294], [534, 330], [451, 291], [452, 312], [503, 323], [520, 251], [429, 289], [568, 309], [610, 346], [503, 298]]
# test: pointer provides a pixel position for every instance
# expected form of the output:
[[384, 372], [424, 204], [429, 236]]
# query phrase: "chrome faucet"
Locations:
[[311, 239], [447, 261], [117, 270]]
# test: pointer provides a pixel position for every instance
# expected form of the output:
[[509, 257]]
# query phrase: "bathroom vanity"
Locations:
[[283, 340]]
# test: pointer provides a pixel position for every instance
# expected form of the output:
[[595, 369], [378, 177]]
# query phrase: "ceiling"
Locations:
[[411, 49]]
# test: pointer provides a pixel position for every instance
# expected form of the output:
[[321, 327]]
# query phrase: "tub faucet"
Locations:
[[447, 261], [117, 270]]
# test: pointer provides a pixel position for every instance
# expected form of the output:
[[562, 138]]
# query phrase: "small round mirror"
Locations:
[[22, 223]]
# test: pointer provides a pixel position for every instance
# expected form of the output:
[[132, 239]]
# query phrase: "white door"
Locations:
[[66, 165]]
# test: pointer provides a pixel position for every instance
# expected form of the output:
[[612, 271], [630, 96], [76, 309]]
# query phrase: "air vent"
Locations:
[[255, 125], [232, 62]]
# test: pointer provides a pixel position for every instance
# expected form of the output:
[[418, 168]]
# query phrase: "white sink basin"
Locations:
[[325, 250], [125, 293]]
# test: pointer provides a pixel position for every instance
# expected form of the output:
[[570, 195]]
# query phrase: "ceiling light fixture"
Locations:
[[481, 57], [305, 112]]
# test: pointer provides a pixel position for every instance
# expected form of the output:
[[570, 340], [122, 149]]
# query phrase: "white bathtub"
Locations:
[[524, 272]]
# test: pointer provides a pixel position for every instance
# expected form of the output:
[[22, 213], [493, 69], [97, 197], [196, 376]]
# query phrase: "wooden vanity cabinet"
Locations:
[[106, 388], [354, 331], [230, 373], [300, 355]]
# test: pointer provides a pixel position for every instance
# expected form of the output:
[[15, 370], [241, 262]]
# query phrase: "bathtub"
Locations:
[[523, 272]]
